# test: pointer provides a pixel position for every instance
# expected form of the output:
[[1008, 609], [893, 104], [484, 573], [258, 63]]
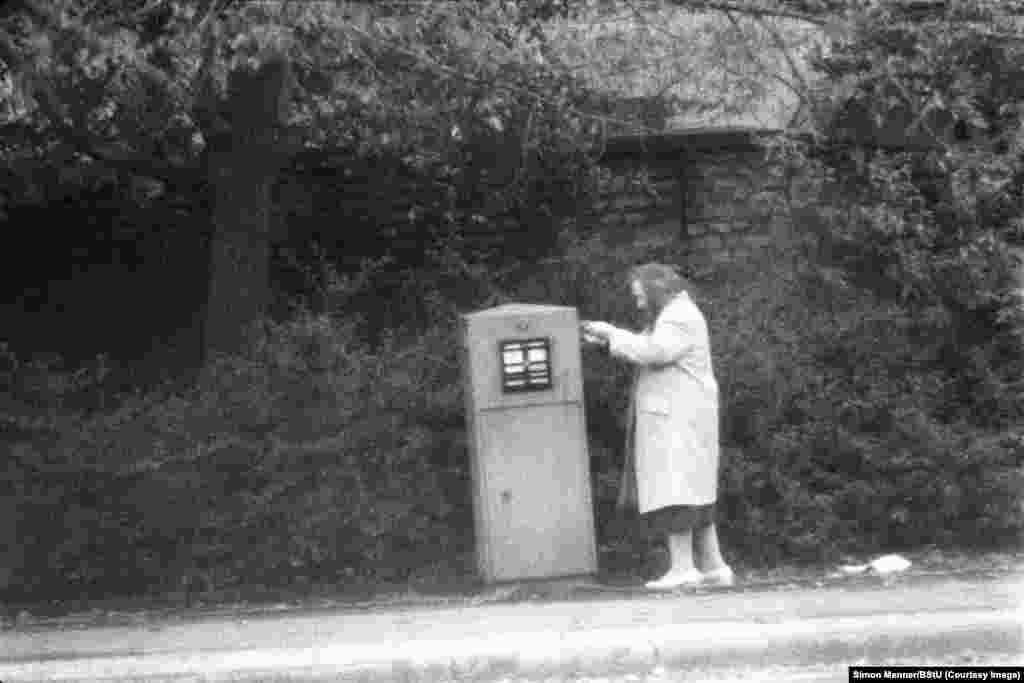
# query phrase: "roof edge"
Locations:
[[703, 139]]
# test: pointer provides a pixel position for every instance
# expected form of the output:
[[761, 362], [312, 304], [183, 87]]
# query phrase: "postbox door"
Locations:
[[535, 486]]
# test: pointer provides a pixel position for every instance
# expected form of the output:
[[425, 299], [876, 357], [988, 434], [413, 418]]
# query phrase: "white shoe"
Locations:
[[719, 577], [672, 580]]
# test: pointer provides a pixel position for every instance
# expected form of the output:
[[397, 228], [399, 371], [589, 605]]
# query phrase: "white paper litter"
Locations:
[[886, 564]]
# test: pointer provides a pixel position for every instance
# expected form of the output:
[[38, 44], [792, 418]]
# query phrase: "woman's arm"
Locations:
[[678, 332], [670, 341]]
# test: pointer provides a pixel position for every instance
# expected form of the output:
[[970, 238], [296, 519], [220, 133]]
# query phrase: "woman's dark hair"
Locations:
[[661, 284]]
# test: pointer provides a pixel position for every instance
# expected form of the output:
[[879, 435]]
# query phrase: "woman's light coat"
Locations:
[[674, 409]]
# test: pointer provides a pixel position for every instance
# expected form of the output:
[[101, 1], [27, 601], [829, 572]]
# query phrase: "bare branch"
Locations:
[[438, 67], [211, 11], [784, 49], [752, 10], [800, 92], [920, 120]]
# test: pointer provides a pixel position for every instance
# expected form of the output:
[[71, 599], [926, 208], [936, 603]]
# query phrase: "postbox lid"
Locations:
[[518, 309]]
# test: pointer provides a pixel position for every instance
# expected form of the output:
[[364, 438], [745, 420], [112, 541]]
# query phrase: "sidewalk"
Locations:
[[601, 630]]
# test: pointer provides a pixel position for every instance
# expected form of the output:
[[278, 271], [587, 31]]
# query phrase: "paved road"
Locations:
[[802, 633], [819, 673]]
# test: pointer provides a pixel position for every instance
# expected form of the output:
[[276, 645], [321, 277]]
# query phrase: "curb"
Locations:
[[712, 645], [488, 657]]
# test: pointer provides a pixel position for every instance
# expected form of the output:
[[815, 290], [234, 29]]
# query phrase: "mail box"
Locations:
[[530, 468]]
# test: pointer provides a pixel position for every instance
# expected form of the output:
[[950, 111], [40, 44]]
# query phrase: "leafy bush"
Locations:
[[312, 454], [841, 431], [317, 455]]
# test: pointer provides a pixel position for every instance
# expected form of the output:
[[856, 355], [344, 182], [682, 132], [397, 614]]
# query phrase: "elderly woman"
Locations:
[[671, 472]]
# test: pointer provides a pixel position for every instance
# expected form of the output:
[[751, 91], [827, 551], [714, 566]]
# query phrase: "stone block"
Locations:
[[709, 242], [742, 226], [667, 203], [665, 214], [696, 229], [722, 176], [741, 254], [663, 199], [664, 230], [731, 241], [727, 200], [636, 218], [759, 241], [721, 257], [653, 241], [668, 222], [781, 229], [699, 262], [614, 185], [665, 189], [663, 170], [726, 210], [766, 202], [632, 201]]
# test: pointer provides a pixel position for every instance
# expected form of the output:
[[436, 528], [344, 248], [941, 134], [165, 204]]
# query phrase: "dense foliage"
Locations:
[[317, 457], [210, 104], [870, 381]]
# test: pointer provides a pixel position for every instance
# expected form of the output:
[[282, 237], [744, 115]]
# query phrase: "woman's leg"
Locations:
[[681, 572], [709, 555], [709, 558], [680, 550]]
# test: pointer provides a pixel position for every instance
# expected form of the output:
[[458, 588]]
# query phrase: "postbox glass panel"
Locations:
[[525, 365]]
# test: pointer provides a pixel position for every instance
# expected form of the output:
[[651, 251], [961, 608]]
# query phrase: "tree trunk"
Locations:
[[239, 285], [243, 160]]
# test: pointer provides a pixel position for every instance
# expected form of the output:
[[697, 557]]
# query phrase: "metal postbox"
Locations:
[[528, 448]]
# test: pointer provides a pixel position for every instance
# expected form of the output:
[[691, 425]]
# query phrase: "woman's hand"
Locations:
[[597, 328], [595, 333]]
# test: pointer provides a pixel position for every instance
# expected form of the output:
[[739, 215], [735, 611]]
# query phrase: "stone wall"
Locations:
[[718, 203], [637, 203], [734, 205], [366, 209], [711, 195]]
